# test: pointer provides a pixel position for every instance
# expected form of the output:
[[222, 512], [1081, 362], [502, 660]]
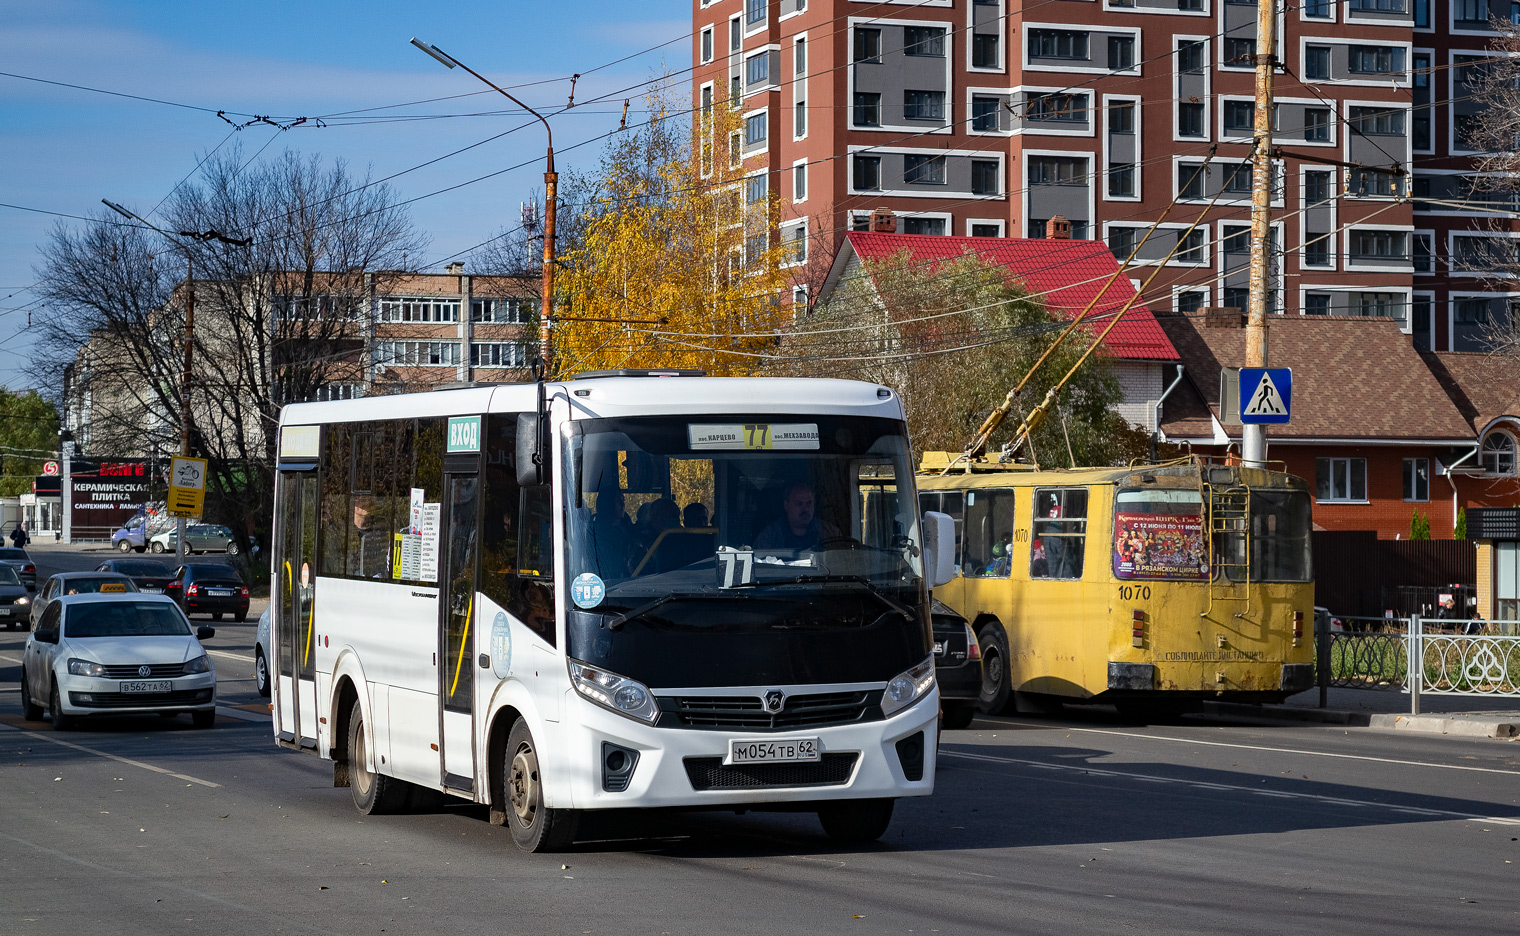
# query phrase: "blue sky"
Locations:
[[63, 150]]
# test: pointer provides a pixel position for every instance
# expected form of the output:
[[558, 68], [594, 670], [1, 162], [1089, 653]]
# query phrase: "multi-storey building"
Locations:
[[991, 117]]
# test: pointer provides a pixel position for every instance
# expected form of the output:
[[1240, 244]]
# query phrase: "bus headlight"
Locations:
[[627, 697], [906, 688]]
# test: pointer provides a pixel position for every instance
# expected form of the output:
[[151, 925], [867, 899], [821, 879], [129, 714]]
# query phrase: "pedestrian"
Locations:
[[18, 536]]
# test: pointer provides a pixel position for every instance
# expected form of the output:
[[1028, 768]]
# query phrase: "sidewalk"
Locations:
[[1464, 716]]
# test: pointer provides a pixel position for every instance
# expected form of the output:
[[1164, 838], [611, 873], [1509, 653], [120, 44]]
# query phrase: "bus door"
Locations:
[[295, 617], [457, 629]]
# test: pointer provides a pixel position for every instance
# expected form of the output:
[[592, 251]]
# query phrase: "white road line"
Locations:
[[11, 659], [1312, 797], [231, 656], [1276, 750], [123, 760]]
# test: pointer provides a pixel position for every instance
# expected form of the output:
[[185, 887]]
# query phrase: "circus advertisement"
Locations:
[[1160, 546]]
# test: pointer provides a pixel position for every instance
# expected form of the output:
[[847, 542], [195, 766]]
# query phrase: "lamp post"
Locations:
[[551, 180], [189, 339]]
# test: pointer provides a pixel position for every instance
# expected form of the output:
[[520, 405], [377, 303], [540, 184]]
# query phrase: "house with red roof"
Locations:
[[1067, 275]]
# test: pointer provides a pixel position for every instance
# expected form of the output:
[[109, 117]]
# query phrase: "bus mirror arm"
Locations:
[[533, 440]]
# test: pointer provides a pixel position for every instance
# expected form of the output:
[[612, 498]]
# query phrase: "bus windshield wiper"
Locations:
[[617, 621], [837, 580]]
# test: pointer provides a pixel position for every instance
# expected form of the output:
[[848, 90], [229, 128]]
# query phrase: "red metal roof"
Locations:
[[1065, 274]]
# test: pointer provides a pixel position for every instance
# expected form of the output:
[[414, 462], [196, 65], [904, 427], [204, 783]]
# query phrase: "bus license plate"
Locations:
[[773, 751], [160, 686]]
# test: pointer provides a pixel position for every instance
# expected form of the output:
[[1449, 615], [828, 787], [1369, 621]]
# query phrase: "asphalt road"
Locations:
[[1075, 825]]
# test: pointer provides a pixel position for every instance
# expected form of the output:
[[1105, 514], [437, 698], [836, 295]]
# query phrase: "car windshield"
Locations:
[[124, 619], [220, 573], [90, 586], [142, 567], [9, 553], [8, 576]]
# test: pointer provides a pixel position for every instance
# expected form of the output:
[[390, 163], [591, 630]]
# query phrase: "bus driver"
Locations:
[[798, 528]]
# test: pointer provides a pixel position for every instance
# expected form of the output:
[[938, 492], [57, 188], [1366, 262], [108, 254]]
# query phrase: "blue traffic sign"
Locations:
[[1266, 395]]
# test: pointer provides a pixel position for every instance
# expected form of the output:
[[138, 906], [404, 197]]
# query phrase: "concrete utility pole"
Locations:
[[1254, 438], [551, 184]]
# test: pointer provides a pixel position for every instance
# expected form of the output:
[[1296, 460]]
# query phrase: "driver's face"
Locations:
[[799, 508]]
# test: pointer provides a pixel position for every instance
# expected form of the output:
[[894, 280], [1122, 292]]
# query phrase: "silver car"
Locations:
[[116, 654]]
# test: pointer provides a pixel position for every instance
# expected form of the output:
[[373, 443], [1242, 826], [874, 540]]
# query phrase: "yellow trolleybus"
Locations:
[[1151, 587]]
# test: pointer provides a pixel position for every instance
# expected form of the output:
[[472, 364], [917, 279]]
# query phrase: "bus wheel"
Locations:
[[997, 689], [535, 827], [856, 821], [374, 793]]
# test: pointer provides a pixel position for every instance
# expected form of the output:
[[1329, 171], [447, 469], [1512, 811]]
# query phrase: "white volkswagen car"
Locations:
[[116, 654]]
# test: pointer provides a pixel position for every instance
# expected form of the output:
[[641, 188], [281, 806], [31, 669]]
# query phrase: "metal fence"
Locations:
[[1456, 657]]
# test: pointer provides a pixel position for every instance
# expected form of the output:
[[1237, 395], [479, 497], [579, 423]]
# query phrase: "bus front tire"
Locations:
[[374, 793], [535, 827], [856, 821], [997, 688]]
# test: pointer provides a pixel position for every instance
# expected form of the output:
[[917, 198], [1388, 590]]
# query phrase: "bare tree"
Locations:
[[276, 320]]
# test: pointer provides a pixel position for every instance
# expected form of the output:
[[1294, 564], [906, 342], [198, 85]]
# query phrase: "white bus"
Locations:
[[620, 590]]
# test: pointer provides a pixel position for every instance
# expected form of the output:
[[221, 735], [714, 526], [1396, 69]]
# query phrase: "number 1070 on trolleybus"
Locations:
[[620, 590]]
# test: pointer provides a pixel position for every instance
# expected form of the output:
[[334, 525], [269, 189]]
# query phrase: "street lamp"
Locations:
[[184, 392], [551, 180]]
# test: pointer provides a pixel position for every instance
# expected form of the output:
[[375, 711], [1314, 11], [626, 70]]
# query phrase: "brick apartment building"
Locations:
[[984, 118]]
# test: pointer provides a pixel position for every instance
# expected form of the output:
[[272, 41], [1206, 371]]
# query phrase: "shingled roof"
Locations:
[[1065, 274], [1353, 378], [1484, 387]]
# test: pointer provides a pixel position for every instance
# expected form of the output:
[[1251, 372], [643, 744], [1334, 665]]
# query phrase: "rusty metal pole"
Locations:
[[546, 304], [1254, 437]]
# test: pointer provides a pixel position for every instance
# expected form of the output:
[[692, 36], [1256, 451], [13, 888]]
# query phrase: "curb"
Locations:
[[1287, 713], [1459, 726]]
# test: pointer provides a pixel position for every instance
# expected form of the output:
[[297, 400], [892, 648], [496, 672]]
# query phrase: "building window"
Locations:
[[1190, 118], [1376, 121], [500, 311], [1056, 107], [1121, 242], [1121, 118], [1317, 63], [1058, 43], [424, 309], [1375, 60], [984, 51], [1239, 116], [867, 109], [860, 221], [1417, 479], [1238, 51], [754, 129], [735, 148], [1419, 131], [1380, 305], [1238, 182], [1470, 311], [1057, 170], [924, 105], [1317, 9], [1317, 304], [1317, 124], [799, 58], [1191, 248], [735, 35], [1190, 180], [1190, 57], [924, 40], [497, 354], [1424, 253], [707, 100], [1190, 6], [799, 182], [984, 114], [985, 175], [868, 45], [1237, 298], [757, 69], [1340, 479], [867, 173], [1316, 188], [1121, 53], [755, 189], [417, 353], [1189, 302], [1235, 240], [755, 11], [919, 169], [1499, 453], [1422, 14], [934, 226], [986, 230], [799, 119], [796, 244], [1379, 245], [707, 44], [1317, 250], [1121, 180], [1471, 12], [1379, 6]]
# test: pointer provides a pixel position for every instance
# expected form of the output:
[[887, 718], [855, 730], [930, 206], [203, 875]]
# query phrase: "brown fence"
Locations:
[[1357, 573]]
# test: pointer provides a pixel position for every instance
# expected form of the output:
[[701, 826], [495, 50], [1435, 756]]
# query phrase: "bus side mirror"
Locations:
[[532, 454], [939, 548]]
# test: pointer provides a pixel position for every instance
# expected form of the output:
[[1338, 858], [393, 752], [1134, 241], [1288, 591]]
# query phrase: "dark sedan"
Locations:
[[957, 666], [151, 576], [22, 563], [202, 588], [15, 600]]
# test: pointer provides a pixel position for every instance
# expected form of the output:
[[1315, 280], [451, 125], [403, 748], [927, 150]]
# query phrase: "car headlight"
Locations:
[[23, 600], [620, 694], [906, 688], [78, 667], [201, 664]]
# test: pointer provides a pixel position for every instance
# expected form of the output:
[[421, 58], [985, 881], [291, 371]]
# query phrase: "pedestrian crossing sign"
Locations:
[[1266, 395]]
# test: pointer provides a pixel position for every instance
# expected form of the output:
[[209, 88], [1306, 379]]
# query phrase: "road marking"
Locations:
[[1312, 797], [231, 656], [1276, 750], [123, 760], [11, 659]]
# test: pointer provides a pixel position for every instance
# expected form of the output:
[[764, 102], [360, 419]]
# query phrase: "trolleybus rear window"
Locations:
[[1158, 534], [1280, 543]]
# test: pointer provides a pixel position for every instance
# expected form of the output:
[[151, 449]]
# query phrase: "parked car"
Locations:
[[199, 537], [203, 588], [78, 583], [957, 666], [19, 560], [150, 575], [132, 537], [15, 600], [262, 655], [116, 654]]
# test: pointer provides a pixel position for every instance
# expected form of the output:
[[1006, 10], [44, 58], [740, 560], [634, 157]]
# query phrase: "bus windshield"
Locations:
[[754, 534]]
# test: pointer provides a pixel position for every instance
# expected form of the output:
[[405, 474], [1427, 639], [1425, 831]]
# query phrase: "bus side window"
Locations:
[[336, 472], [536, 554], [1059, 539], [987, 539]]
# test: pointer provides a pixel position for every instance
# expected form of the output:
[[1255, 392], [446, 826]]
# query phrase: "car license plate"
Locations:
[[5, 612], [219, 592], [773, 751], [157, 686], [150, 590]]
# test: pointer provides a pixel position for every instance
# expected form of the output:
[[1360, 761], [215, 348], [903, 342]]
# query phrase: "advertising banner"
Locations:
[[107, 493], [1160, 546]]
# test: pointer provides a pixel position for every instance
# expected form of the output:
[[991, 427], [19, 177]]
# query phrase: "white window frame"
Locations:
[[1208, 88], [1006, 96], [1092, 183], [946, 216], [1303, 218], [1347, 460], [1384, 81], [1351, 266], [1104, 30], [1455, 234], [947, 88], [958, 195], [800, 170], [1004, 34], [1139, 133], [1030, 128], [707, 48], [1001, 223], [1406, 479]]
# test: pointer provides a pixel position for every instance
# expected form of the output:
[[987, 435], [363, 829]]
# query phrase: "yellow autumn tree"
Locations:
[[678, 264]]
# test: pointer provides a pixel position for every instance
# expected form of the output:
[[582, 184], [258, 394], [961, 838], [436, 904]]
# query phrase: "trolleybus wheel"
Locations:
[[997, 687], [535, 827], [856, 820], [958, 715], [374, 793]]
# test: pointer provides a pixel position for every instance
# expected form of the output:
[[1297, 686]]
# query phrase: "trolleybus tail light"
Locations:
[[1298, 628], [973, 649], [627, 697], [1137, 629]]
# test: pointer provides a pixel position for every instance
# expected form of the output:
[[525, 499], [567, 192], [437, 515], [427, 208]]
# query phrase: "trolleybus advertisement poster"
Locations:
[[1160, 546]]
